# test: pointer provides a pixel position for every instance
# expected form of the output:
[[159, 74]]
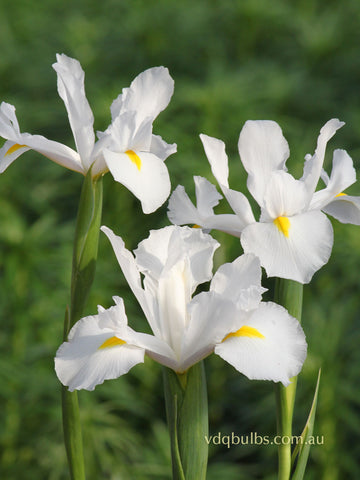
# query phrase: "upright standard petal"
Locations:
[[97, 350], [168, 246], [71, 89], [270, 345], [148, 95], [291, 247], [314, 164], [263, 149], [215, 152]]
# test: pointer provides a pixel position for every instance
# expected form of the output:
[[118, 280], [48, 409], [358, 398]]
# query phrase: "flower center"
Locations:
[[112, 342], [134, 158], [245, 331], [283, 224]]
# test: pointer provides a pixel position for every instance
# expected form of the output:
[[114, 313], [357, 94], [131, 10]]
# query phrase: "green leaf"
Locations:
[[187, 414], [302, 449]]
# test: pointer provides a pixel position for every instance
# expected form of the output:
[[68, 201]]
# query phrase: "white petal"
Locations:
[[72, 91], [167, 246], [9, 152], [313, 165], [160, 148], [148, 180], [132, 275], [240, 282], [80, 363], [148, 95], [215, 152], [284, 196], [21, 142], [346, 209], [9, 125], [211, 317], [262, 149], [296, 256], [277, 357], [181, 210], [343, 175], [207, 197], [240, 205]]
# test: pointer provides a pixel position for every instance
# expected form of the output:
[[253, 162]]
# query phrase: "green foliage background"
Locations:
[[294, 62]]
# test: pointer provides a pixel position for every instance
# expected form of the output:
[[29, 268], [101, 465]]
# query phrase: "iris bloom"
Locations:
[[261, 340], [127, 148], [293, 237]]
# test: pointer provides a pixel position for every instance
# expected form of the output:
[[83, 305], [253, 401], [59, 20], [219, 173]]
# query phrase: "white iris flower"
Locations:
[[261, 340], [293, 237], [134, 156]]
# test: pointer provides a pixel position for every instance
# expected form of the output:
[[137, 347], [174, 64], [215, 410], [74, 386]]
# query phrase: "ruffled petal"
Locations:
[[295, 248], [273, 348], [240, 282], [262, 149], [96, 352], [168, 246], [72, 91], [144, 174]]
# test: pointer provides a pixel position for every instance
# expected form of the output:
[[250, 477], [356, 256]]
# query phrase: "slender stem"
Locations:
[[289, 294], [83, 273], [187, 415]]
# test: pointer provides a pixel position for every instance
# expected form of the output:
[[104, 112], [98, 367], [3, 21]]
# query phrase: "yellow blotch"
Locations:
[[340, 195], [245, 331], [134, 158], [196, 226], [14, 148], [283, 224], [112, 342]]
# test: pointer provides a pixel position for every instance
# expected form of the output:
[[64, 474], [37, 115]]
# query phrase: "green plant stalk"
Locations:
[[187, 417], [289, 294], [83, 273]]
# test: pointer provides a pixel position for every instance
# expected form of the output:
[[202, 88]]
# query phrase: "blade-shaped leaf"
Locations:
[[302, 450]]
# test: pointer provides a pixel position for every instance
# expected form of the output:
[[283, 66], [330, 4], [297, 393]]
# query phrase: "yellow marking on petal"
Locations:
[[341, 195], [283, 224], [14, 148], [134, 158], [245, 331], [112, 342], [196, 226]]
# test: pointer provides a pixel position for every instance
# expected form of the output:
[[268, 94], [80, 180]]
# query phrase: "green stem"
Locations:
[[83, 273], [289, 294], [187, 416]]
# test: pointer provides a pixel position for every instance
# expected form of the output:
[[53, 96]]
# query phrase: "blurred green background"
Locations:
[[294, 62]]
